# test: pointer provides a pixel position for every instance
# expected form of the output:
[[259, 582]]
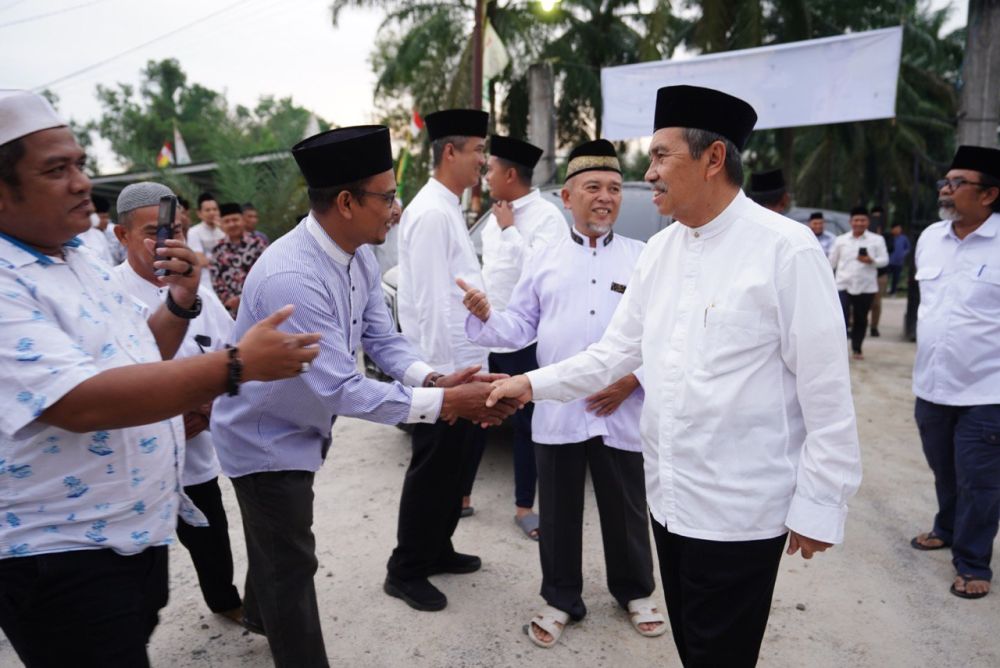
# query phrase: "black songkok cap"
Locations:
[[978, 158], [763, 183], [515, 150], [101, 204], [705, 109], [597, 155], [457, 123], [345, 155], [815, 214], [859, 211], [229, 208]]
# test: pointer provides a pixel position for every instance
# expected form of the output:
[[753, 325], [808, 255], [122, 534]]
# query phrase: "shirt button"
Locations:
[[354, 322], [352, 288], [423, 417], [595, 253], [591, 312], [593, 280], [697, 234]]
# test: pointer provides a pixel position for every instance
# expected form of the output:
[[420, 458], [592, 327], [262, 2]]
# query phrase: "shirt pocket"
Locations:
[[984, 292], [928, 273], [728, 335]]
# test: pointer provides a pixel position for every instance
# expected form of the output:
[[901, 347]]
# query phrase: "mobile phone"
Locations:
[[862, 252], [165, 226]]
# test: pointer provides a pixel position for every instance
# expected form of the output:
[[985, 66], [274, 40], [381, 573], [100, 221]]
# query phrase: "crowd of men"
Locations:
[[701, 378]]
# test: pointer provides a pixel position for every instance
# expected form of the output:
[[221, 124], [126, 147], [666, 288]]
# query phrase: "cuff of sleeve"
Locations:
[[640, 375], [544, 383], [416, 372], [817, 521], [473, 327], [425, 406], [511, 234]]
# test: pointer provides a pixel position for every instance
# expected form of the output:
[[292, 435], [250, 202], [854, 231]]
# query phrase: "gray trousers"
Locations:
[[280, 595], [620, 489]]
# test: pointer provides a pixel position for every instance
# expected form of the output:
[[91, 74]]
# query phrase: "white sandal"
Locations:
[[644, 611], [552, 621]]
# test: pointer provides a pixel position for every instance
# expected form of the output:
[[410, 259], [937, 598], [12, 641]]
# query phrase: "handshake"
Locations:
[[466, 393]]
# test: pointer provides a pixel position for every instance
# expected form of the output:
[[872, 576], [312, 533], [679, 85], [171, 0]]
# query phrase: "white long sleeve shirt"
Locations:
[[748, 424], [958, 322], [434, 250], [210, 331], [566, 297], [854, 276], [537, 223]]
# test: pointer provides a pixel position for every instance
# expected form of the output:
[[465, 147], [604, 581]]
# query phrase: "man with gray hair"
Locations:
[[138, 206], [748, 429]]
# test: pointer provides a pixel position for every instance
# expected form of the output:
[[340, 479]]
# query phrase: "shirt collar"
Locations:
[[722, 222], [34, 254], [604, 239], [443, 191], [329, 246], [524, 200], [988, 229]]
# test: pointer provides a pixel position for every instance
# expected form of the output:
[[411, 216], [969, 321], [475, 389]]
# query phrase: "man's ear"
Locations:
[[564, 194], [345, 202], [987, 201], [120, 234], [716, 159]]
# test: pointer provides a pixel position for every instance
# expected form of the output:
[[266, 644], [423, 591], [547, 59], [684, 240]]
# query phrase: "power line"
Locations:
[[37, 17], [165, 35]]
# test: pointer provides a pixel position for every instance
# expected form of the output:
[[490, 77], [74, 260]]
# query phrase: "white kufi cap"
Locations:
[[22, 113]]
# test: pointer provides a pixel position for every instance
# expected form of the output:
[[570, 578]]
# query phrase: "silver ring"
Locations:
[[190, 270], [304, 367]]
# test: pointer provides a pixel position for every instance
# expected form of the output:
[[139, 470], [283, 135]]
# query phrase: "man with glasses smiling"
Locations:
[[271, 441], [956, 374]]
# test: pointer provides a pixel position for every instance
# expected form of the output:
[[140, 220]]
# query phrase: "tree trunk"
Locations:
[[978, 117], [542, 119]]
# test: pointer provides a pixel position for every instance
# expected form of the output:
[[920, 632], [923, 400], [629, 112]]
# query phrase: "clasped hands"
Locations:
[[465, 395]]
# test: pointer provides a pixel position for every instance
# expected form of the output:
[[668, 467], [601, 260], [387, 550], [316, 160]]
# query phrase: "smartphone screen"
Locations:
[[165, 225], [862, 252]]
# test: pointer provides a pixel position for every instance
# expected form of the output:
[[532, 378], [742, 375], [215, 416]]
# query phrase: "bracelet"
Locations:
[[180, 312], [432, 379], [234, 371]]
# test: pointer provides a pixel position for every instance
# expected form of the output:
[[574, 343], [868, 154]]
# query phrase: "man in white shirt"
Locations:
[[856, 257], [748, 426], [95, 238], [522, 221], [138, 206], [434, 250], [91, 446], [206, 235], [566, 296], [818, 226], [956, 375]]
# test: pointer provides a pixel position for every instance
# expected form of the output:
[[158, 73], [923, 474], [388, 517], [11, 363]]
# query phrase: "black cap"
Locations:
[[597, 155], [101, 204], [859, 211], [978, 158], [816, 214], [515, 150], [705, 109], [345, 155], [229, 208], [457, 123], [205, 197], [767, 182]]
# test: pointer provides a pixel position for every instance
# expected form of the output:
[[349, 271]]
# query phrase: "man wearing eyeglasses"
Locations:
[[956, 375]]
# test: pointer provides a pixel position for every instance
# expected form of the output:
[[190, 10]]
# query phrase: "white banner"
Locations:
[[828, 80]]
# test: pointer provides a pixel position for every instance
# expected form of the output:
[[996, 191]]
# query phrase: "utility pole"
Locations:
[[542, 119], [979, 110]]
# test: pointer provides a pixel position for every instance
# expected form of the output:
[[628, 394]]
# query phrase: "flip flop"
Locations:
[[644, 611], [528, 524], [965, 594], [930, 535], [467, 511], [552, 621]]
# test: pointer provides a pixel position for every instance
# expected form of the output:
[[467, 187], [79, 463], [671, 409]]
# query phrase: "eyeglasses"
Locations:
[[955, 183], [388, 198]]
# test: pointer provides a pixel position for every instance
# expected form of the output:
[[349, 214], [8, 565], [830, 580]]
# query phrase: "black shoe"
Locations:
[[457, 564], [419, 593], [875, 332], [252, 627]]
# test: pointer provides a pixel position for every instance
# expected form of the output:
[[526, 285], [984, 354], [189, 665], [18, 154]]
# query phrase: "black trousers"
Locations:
[[86, 608], [525, 473], [280, 595], [620, 489], [856, 309], [209, 547], [718, 596], [431, 501]]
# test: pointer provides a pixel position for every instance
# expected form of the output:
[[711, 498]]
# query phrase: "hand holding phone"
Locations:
[[863, 252], [165, 227]]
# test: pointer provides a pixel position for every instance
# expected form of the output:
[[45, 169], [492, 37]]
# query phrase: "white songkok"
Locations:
[[139, 195], [22, 113]]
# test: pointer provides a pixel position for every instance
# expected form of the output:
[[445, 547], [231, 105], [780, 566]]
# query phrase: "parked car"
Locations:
[[638, 219]]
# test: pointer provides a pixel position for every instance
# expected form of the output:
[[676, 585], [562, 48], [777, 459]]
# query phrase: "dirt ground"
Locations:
[[873, 601]]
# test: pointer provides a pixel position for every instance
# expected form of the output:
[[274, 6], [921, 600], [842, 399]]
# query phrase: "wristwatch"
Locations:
[[187, 314], [432, 379]]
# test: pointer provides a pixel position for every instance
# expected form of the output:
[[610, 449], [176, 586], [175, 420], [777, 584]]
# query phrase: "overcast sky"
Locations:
[[245, 48]]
